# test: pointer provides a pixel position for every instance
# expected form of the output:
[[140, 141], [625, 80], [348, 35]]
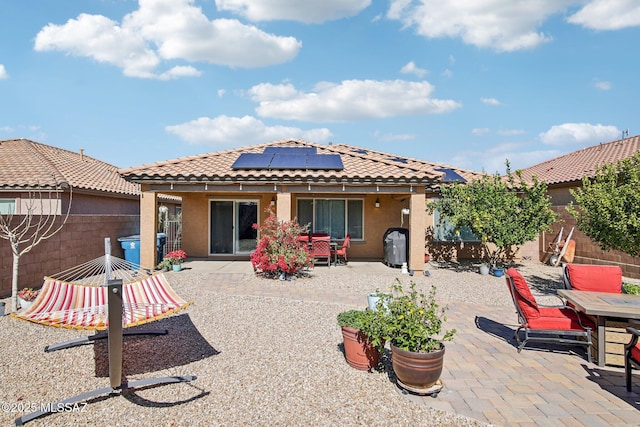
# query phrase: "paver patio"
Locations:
[[485, 377]]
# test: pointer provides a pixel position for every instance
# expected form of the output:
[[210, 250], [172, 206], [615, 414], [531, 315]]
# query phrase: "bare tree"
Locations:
[[33, 220]]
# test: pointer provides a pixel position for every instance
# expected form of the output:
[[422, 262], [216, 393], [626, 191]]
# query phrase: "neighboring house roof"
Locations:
[[359, 165], [27, 165], [574, 166]]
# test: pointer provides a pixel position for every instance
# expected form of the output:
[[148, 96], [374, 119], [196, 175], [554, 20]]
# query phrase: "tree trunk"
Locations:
[[14, 281]]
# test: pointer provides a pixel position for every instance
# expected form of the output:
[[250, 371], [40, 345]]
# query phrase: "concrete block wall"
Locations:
[[80, 240], [587, 251]]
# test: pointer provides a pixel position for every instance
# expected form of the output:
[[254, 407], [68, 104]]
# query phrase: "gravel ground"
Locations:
[[259, 359]]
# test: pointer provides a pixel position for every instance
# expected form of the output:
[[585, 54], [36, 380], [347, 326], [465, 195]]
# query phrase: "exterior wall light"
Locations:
[[377, 204]]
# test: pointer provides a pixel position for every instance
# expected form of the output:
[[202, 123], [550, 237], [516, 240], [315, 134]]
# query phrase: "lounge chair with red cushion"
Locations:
[[549, 324]]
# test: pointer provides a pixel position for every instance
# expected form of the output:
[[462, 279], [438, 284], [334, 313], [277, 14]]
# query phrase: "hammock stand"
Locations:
[[116, 308]]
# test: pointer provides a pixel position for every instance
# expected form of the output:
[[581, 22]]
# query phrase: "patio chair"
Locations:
[[340, 254], [594, 278], [547, 324], [321, 250], [631, 355]]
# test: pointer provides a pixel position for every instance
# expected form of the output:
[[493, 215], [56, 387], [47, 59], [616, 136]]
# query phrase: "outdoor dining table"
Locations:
[[604, 306]]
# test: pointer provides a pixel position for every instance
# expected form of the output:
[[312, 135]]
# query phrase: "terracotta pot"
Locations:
[[417, 370], [358, 350]]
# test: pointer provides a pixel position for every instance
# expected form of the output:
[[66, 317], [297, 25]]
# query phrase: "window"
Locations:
[[336, 217], [7, 206], [445, 231]]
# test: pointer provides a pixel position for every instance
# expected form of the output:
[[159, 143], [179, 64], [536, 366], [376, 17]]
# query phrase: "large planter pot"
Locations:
[[417, 371], [359, 352]]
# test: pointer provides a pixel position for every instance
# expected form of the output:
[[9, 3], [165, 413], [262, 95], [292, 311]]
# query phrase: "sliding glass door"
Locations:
[[231, 229]]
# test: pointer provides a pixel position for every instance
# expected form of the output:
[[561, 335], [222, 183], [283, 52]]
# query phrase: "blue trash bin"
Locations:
[[131, 247]]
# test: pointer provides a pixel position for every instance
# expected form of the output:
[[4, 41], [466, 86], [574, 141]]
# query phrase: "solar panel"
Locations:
[[450, 175], [288, 161], [324, 161], [288, 158], [290, 150], [398, 159], [252, 161]]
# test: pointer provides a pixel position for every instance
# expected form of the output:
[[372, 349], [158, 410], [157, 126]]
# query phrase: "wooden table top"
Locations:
[[604, 303]]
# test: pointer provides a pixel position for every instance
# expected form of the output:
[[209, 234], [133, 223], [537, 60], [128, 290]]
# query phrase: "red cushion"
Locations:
[[635, 353], [529, 308], [595, 278], [557, 318]]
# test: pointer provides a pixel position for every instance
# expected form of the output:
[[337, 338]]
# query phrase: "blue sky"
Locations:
[[458, 82]]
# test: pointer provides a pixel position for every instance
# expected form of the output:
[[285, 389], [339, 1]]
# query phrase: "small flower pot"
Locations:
[[498, 272], [24, 304], [484, 269], [176, 267], [1, 308]]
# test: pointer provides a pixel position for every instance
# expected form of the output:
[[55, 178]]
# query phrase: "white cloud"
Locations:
[[602, 85], [480, 131], [447, 73], [519, 154], [388, 137], [239, 131], [510, 132], [584, 134], [502, 25], [163, 30], [308, 11], [411, 68], [350, 100], [608, 15], [490, 101], [3, 72]]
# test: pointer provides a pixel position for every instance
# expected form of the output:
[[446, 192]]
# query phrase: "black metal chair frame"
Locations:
[[630, 362], [555, 336]]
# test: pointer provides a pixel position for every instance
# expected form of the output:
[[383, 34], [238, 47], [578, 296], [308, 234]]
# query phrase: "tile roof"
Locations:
[[574, 166], [360, 165], [26, 164]]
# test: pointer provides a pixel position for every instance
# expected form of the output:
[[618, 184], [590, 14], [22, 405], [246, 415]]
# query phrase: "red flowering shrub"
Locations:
[[279, 249]]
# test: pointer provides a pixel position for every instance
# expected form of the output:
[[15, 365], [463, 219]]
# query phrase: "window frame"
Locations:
[[8, 202], [346, 215], [449, 228]]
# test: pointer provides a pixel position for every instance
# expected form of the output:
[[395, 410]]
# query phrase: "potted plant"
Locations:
[[412, 323], [175, 258], [360, 351], [26, 296]]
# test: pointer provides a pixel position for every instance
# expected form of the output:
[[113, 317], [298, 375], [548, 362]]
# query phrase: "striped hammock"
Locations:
[[73, 305]]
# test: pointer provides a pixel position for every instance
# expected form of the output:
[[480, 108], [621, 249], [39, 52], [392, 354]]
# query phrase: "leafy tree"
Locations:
[[498, 211], [608, 206], [37, 221]]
